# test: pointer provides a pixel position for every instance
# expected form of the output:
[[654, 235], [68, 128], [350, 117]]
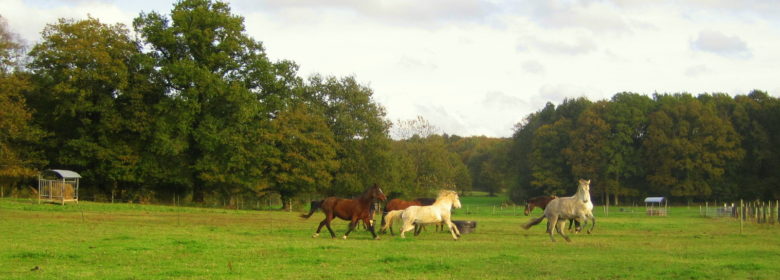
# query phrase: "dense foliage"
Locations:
[[677, 145], [191, 106]]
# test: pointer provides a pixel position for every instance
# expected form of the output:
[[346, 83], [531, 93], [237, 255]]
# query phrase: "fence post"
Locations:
[[763, 212], [741, 216]]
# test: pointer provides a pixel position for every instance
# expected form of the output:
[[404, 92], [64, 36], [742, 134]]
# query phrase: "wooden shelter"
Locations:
[[653, 206], [56, 185]]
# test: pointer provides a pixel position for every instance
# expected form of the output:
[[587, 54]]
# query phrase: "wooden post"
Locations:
[[763, 212], [741, 209], [706, 208]]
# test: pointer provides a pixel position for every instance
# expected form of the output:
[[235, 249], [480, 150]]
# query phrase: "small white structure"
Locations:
[[56, 185], [653, 206]]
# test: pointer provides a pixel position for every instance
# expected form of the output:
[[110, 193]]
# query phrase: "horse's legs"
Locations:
[[317, 234], [552, 221], [407, 226], [558, 228], [352, 225], [384, 213], [577, 224], [593, 225], [327, 221], [371, 227], [453, 229]]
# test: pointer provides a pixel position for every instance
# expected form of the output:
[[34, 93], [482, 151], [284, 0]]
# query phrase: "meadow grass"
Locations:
[[131, 241]]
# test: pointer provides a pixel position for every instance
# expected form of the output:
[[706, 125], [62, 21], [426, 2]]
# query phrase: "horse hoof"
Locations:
[[377, 238], [315, 235], [344, 237]]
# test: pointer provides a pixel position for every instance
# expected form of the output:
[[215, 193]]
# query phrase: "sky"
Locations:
[[475, 67]]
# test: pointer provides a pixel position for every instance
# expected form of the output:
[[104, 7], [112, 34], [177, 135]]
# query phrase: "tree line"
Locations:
[[188, 105], [710, 146]]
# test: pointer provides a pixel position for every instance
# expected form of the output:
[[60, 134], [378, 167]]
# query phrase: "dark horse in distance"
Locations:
[[539, 201], [352, 210]]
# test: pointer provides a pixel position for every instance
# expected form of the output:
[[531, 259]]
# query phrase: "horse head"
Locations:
[[450, 196], [376, 192], [457, 200], [585, 185]]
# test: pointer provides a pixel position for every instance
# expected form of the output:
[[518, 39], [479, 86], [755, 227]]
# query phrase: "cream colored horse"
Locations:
[[439, 212], [559, 210]]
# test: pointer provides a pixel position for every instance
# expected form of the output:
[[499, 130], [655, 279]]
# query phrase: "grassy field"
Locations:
[[131, 241]]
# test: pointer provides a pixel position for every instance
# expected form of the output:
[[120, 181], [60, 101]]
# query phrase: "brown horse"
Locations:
[[539, 201], [315, 204], [351, 210], [400, 204]]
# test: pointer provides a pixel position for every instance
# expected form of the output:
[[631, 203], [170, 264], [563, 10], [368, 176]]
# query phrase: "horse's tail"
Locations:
[[533, 222], [315, 204], [390, 217]]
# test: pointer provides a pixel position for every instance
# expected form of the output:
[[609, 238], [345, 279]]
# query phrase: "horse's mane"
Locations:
[[443, 194], [366, 193]]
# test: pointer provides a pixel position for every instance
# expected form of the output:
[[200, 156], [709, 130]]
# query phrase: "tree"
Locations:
[[588, 153], [431, 166], [19, 154], [520, 149], [306, 157], [550, 172], [550, 175], [627, 115], [420, 127], [688, 147], [360, 131], [222, 89], [753, 177], [81, 70]]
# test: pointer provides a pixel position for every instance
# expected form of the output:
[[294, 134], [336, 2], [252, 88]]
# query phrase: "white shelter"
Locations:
[[57, 185], [653, 206]]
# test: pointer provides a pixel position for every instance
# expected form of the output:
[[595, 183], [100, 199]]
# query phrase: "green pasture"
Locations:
[[131, 241]]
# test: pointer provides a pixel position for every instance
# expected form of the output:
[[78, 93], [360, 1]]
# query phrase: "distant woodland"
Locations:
[[187, 105]]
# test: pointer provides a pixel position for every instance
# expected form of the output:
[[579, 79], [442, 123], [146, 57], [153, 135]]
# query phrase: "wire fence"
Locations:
[[760, 212]]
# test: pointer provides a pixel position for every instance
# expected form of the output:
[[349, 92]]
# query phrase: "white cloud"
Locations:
[[476, 67], [595, 16], [696, 70], [721, 44], [580, 45], [403, 12], [29, 19], [533, 66]]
